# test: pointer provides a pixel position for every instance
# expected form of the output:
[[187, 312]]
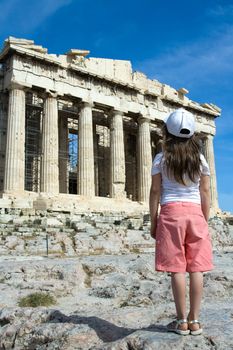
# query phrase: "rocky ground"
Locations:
[[108, 302], [112, 302]]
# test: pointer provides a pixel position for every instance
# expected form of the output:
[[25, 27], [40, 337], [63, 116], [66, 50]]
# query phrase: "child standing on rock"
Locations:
[[180, 183]]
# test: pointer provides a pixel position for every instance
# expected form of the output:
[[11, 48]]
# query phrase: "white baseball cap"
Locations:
[[180, 123]]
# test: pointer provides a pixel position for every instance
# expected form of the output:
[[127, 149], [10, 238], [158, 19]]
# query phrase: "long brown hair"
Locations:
[[182, 157]]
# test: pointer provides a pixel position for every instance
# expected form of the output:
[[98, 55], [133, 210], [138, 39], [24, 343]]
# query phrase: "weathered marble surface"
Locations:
[[24, 232], [108, 302]]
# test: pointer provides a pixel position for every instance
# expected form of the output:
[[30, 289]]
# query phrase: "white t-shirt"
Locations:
[[173, 191]]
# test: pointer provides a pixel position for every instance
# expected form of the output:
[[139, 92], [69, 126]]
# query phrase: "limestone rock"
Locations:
[[106, 301]]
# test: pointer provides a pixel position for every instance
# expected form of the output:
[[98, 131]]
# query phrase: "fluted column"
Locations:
[[86, 182], [144, 160], [209, 153], [3, 135], [49, 161], [117, 156], [15, 152]]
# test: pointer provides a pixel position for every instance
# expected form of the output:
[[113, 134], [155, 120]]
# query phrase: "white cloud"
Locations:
[[220, 11], [205, 61], [26, 15], [39, 11], [204, 67]]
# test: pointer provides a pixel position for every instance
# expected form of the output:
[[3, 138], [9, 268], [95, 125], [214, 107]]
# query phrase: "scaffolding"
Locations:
[[73, 154], [68, 125], [130, 146], [102, 159], [33, 124], [68, 145]]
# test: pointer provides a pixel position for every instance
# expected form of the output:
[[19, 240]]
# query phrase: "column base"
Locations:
[[17, 199], [118, 191]]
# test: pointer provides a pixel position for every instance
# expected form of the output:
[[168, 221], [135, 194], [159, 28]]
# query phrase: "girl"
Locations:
[[180, 182]]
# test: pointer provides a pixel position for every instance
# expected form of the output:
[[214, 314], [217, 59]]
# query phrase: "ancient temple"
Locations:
[[76, 129]]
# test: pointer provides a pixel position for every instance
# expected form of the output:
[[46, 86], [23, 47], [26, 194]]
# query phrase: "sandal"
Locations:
[[174, 327], [198, 331]]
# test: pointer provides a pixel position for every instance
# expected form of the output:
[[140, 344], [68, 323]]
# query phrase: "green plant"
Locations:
[[135, 250], [37, 299]]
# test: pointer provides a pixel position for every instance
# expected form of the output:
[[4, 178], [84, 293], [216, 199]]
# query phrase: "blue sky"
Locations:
[[181, 43]]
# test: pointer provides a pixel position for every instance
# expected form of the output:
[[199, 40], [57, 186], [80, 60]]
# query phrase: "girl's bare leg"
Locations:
[[195, 294], [179, 292]]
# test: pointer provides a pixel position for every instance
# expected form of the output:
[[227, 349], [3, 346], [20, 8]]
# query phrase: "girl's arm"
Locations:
[[205, 195], [155, 192]]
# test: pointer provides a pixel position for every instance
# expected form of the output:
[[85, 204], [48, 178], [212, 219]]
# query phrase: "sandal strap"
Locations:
[[193, 322], [184, 320]]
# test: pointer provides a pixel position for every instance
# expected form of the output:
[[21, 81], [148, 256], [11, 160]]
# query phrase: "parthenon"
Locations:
[[74, 128]]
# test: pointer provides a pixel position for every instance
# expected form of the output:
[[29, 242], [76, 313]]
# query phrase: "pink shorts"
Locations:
[[182, 239]]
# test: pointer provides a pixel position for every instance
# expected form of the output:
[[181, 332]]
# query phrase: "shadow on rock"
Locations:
[[106, 331]]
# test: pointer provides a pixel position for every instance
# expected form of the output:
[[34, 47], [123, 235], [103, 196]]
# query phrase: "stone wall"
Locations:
[[41, 232], [29, 231]]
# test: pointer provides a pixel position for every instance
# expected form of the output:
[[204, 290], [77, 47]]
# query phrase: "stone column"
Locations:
[[15, 152], [49, 160], [3, 132], [86, 177], [117, 156], [63, 155], [209, 154], [144, 160]]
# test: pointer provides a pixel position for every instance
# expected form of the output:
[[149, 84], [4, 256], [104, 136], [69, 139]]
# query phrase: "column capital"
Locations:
[[143, 119], [49, 93], [209, 136], [19, 86], [115, 111], [87, 103]]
